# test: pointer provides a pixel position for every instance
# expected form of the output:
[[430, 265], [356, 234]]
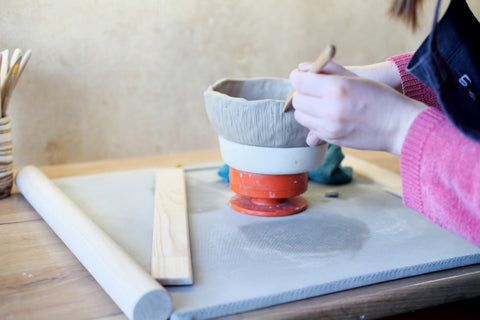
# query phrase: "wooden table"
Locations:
[[41, 279]]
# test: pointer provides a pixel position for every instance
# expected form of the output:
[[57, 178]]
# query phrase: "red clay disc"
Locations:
[[268, 195], [281, 207], [258, 185]]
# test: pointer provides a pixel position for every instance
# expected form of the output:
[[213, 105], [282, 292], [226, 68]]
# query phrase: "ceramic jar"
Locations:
[[6, 157]]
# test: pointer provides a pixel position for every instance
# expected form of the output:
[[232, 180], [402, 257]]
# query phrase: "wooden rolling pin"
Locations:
[[316, 67], [137, 294]]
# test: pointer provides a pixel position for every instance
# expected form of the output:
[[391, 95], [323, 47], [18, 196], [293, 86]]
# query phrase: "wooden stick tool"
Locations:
[[316, 67], [171, 259]]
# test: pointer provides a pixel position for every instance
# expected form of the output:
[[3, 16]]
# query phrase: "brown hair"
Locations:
[[406, 10]]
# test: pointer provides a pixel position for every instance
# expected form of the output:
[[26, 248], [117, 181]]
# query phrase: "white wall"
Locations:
[[121, 78]]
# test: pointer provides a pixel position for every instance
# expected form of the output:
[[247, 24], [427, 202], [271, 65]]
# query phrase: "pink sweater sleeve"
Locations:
[[439, 165]]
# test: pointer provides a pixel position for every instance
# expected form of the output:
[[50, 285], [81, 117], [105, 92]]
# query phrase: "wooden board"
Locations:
[[171, 259]]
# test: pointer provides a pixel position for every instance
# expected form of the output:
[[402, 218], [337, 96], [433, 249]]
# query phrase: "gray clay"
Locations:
[[250, 111]]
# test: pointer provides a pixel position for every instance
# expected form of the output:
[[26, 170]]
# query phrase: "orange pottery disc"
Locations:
[[268, 195]]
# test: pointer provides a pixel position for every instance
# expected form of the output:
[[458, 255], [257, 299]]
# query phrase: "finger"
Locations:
[[330, 68], [308, 104], [313, 84], [326, 127], [309, 122], [304, 66], [317, 107], [303, 102], [312, 139], [334, 68]]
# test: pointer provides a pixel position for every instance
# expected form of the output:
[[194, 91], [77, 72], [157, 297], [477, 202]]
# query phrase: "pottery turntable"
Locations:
[[264, 147]]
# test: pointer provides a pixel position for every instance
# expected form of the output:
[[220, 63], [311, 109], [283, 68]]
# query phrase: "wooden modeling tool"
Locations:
[[10, 72], [4, 66], [23, 62], [171, 262], [7, 88], [316, 67], [15, 54]]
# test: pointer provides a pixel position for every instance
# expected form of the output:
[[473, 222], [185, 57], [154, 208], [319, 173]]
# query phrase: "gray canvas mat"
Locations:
[[243, 262]]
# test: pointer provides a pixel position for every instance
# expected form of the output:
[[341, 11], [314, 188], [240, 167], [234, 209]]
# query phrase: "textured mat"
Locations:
[[242, 262]]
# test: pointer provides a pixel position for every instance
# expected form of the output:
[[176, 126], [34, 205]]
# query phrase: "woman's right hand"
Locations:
[[385, 72], [344, 109]]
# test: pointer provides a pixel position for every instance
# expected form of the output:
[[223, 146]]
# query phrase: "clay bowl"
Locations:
[[250, 112]]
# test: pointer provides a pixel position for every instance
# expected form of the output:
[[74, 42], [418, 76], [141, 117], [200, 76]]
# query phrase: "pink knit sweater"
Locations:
[[439, 166]]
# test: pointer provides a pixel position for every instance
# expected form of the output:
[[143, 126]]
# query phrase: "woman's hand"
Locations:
[[344, 109], [385, 72]]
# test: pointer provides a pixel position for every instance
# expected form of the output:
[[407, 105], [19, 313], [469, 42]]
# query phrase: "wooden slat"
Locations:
[[171, 258], [390, 181]]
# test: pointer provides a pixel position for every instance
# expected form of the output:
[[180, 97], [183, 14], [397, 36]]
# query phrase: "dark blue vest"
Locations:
[[448, 61]]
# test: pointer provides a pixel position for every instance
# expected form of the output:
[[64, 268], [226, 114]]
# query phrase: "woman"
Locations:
[[435, 130]]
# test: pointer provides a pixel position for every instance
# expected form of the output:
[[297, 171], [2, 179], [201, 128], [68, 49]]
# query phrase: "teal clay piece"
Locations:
[[331, 171]]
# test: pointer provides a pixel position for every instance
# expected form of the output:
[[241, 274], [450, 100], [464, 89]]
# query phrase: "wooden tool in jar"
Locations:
[[316, 67], [10, 72]]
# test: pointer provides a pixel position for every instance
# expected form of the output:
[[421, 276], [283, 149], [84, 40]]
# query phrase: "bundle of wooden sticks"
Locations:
[[10, 71]]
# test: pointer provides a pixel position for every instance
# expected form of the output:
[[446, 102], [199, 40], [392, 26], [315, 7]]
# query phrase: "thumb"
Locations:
[[330, 68], [313, 140], [334, 68], [304, 66]]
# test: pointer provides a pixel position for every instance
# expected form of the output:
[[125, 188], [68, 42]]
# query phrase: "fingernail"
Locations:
[[304, 66], [312, 140]]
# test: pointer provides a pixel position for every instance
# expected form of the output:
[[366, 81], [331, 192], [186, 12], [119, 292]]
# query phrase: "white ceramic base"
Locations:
[[267, 160]]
